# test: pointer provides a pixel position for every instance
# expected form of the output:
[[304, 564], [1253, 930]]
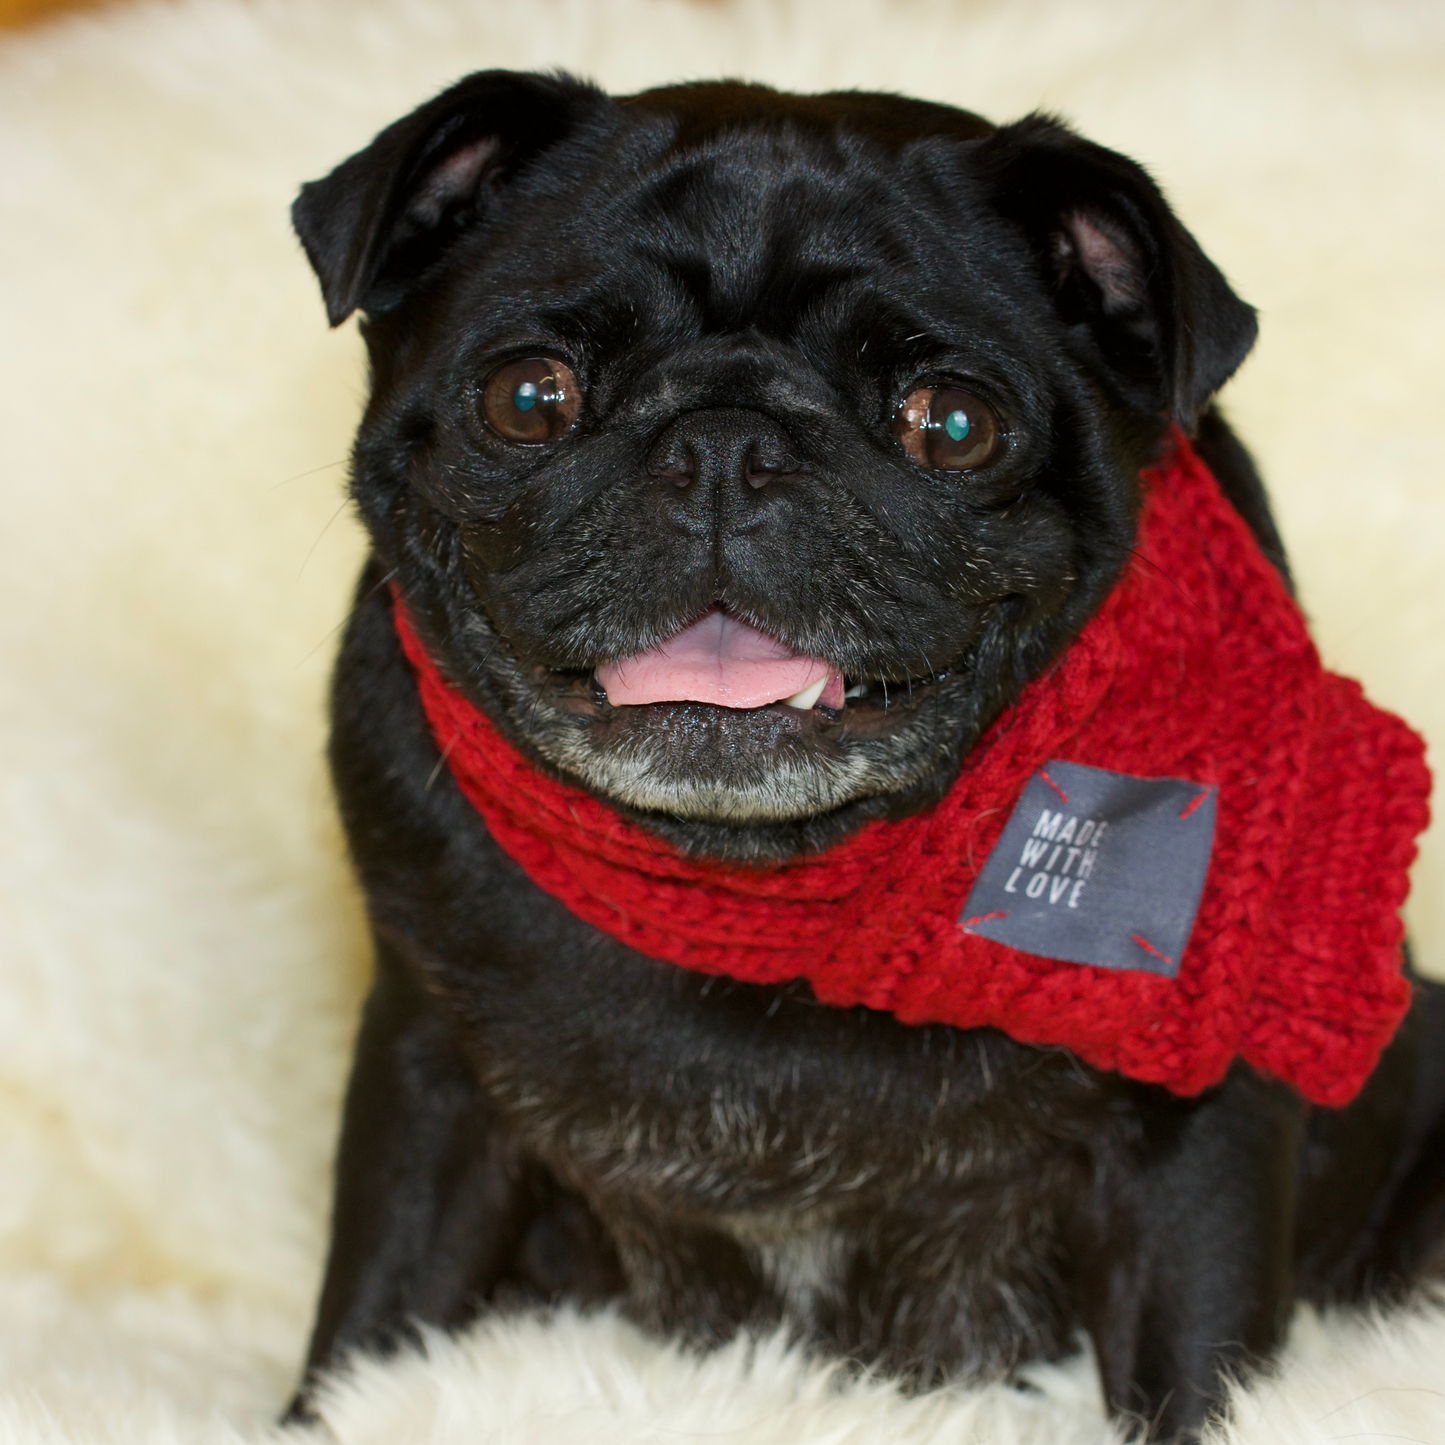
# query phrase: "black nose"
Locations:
[[723, 448]]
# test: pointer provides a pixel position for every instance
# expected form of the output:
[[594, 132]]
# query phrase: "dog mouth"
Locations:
[[723, 726], [720, 661]]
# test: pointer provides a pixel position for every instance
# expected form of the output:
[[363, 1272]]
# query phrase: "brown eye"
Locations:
[[531, 401], [946, 428]]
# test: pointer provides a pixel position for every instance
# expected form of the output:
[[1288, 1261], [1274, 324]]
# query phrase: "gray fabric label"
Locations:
[[1098, 867]]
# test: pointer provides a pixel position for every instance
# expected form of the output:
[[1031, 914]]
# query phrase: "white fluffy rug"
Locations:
[[180, 952]]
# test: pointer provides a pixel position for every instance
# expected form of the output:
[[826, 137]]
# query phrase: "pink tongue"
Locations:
[[719, 660]]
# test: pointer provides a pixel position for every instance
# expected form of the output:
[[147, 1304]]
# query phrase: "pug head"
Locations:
[[743, 454]]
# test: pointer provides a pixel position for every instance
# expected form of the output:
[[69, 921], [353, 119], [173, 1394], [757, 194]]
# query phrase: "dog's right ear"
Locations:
[[1121, 269], [383, 217]]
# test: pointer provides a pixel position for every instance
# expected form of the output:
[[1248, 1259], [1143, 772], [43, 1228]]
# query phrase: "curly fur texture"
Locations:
[[180, 951]]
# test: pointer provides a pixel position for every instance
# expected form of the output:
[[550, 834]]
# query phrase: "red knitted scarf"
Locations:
[[1198, 668]]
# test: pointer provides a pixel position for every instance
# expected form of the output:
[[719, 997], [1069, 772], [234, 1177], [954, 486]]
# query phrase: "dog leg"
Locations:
[[1372, 1207], [432, 1200], [1189, 1264]]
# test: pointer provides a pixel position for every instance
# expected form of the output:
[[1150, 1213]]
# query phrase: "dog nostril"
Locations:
[[765, 463], [679, 468]]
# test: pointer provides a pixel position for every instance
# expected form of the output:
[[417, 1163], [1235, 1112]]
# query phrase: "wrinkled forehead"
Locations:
[[782, 190], [749, 196], [756, 225]]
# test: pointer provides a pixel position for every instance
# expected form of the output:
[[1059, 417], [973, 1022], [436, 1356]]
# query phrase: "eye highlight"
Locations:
[[531, 401], [947, 428]]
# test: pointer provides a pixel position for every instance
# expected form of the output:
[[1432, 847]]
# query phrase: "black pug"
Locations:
[[641, 360]]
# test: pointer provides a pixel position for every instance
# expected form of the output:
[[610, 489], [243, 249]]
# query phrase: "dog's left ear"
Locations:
[[1145, 302], [381, 218]]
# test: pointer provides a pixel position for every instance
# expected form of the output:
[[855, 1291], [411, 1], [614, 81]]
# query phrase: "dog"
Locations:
[[866, 385]]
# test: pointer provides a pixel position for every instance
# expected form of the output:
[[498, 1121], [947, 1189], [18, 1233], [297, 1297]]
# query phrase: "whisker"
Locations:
[[324, 467], [1149, 562], [332, 633], [390, 576], [371, 592], [345, 503], [442, 761]]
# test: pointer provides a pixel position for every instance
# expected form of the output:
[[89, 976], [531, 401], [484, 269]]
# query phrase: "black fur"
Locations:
[[747, 282]]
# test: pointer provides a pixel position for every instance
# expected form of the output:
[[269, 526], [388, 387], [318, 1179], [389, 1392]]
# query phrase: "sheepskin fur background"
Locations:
[[181, 954]]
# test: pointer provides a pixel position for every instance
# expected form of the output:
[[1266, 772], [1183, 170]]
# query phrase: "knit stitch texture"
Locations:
[[1198, 666]]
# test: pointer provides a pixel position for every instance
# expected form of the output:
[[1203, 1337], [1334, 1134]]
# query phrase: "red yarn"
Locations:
[[1198, 666]]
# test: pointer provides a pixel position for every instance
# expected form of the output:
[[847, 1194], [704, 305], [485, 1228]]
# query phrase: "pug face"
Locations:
[[742, 454]]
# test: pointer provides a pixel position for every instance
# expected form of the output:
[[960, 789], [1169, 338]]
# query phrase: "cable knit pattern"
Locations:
[[1198, 666]]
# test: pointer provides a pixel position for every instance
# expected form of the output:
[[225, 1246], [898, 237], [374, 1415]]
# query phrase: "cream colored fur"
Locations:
[[181, 953]]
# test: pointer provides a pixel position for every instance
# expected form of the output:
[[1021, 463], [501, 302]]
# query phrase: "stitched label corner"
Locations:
[[1098, 867]]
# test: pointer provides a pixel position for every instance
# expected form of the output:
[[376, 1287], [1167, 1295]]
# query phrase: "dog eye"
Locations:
[[946, 428], [531, 401]]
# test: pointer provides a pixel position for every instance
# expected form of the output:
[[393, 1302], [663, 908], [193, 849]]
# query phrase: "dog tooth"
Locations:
[[857, 690], [804, 700]]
